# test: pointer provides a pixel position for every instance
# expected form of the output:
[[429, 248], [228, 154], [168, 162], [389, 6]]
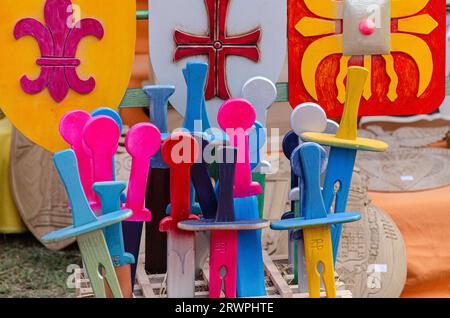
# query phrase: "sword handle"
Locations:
[[257, 140], [67, 167], [159, 98], [180, 152], [105, 111], [142, 143], [236, 117], [71, 129], [195, 76], [356, 80], [227, 167], [309, 157], [262, 93], [101, 135]]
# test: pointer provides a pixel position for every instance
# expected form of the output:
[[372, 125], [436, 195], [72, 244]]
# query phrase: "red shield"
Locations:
[[405, 55]]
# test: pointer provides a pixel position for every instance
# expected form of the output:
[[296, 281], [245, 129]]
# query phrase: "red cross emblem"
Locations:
[[217, 45]]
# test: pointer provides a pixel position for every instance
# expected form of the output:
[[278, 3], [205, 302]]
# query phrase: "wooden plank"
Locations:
[[149, 287], [135, 97], [144, 282], [274, 274], [282, 258]]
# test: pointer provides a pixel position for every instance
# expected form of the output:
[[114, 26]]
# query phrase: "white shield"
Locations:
[[242, 17]]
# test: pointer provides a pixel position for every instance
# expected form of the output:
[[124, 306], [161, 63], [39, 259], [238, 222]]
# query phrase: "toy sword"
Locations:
[[101, 135], [71, 129], [344, 146], [110, 194], [105, 111], [224, 229], [158, 186], [180, 151], [201, 181], [87, 228], [261, 93], [307, 116], [236, 117], [315, 223], [196, 117], [142, 142]]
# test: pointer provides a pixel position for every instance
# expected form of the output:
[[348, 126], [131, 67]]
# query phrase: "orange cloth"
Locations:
[[424, 221]]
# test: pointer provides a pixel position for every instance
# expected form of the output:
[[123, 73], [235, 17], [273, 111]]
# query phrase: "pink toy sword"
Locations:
[[71, 129], [142, 143], [101, 135], [236, 117]]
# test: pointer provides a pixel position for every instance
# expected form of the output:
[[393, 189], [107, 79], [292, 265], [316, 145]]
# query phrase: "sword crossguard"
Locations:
[[110, 193], [71, 129], [236, 117], [142, 142], [84, 219], [195, 75], [159, 99], [225, 219], [180, 151], [307, 158]]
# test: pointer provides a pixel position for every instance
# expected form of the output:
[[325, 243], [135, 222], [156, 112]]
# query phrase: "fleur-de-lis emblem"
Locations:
[[58, 41]]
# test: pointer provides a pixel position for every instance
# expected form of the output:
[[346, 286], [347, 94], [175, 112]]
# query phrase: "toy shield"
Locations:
[[239, 39], [400, 42], [60, 55]]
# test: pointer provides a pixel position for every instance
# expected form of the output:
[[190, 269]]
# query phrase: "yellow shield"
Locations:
[[60, 55]]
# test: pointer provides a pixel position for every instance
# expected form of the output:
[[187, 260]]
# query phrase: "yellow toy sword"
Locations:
[[344, 146]]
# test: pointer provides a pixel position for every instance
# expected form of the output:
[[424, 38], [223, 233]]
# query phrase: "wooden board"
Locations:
[[259, 25], [39, 194], [406, 79], [44, 76], [369, 247], [406, 170], [411, 132]]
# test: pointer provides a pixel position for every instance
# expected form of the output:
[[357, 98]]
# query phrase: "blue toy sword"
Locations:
[[110, 194], [158, 186], [87, 228]]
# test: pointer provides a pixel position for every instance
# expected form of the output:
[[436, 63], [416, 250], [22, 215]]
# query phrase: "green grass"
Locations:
[[28, 269]]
